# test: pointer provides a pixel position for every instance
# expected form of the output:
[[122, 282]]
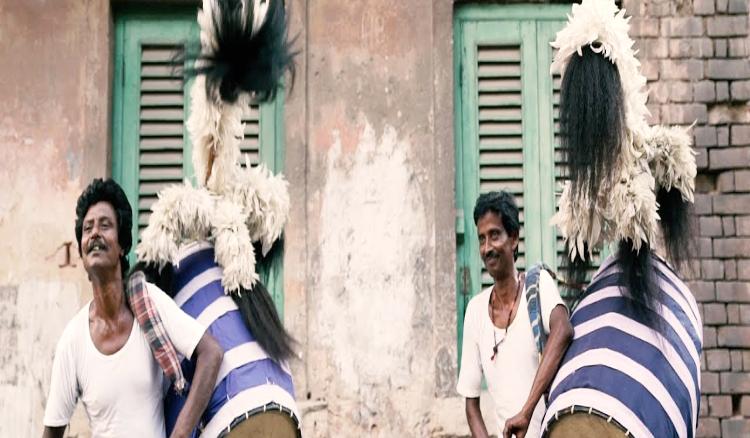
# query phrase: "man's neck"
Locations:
[[506, 288], [108, 297]]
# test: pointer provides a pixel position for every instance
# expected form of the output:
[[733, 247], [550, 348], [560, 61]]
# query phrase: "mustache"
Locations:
[[490, 253], [94, 242]]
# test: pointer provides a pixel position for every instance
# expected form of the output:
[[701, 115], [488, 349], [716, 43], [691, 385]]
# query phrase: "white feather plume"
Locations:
[[181, 214], [673, 164]]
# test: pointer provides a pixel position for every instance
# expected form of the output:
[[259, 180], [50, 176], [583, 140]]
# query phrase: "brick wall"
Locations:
[[695, 55]]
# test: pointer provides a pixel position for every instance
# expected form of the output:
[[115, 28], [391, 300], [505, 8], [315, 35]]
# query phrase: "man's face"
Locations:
[[100, 247], [496, 247]]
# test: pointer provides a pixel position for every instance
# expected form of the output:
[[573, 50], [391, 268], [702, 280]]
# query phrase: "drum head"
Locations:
[[269, 424], [584, 425]]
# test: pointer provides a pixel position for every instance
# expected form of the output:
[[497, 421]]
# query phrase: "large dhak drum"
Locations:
[[622, 378], [253, 395]]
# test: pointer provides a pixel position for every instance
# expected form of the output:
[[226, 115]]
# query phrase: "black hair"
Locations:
[[255, 304], [107, 191], [677, 224], [592, 120], [243, 62], [502, 204], [640, 281]]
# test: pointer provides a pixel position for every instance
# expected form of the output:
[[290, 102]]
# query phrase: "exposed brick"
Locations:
[[735, 427], [737, 48], [704, 91], [661, 9], [679, 48], [701, 158], [721, 48], [729, 158], [713, 270], [746, 359], [739, 91], [708, 428], [702, 205], [709, 337], [650, 69], [738, 7], [709, 383], [722, 135], [710, 225], [725, 182], [730, 269], [703, 411], [722, 91], [735, 383], [734, 336], [658, 92], [736, 359], [702, 48], [703, 7], [703, 291], [722, 5], [683, 69], [743, 271], [714, 313], [681, 92], [733, 313], [705, 247], [727, 68], [645, 27], [727, 225], [733, 291], [681, 26], [703, 360], [729, 247], [744, 314], [720, 406], [745, 406], [731, 203], [722, 25], [684, 114], [740, 135], [655, 47], [742, 180], [743, 225], [718, 360]]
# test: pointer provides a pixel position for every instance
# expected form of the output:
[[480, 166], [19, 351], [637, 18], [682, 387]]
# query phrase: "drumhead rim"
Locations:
[[587, 410], [272, 406]]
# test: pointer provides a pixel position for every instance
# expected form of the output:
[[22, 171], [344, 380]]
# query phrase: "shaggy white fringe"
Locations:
[[181, 214], [674, 159], [234, 249]]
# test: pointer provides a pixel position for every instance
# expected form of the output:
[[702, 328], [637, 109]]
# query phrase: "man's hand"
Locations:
[[517, 425]]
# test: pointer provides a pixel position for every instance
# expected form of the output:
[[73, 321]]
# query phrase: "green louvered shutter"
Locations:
[[151, 146], [505, 130]]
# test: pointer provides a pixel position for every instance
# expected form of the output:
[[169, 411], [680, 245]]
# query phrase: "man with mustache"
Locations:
[[106, 355], [498, 341]]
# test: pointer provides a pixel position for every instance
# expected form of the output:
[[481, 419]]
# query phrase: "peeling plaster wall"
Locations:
[[53, 134]]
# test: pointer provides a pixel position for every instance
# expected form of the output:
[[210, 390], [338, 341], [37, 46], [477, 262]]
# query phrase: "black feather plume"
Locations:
[[243, 62]]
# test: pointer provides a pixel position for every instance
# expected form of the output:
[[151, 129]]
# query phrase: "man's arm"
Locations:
[[560, 335], [475, 420], [208, 355], [53, 432]]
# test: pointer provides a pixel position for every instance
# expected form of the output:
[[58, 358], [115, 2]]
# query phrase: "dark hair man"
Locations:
[[103, 356], [497, 340]]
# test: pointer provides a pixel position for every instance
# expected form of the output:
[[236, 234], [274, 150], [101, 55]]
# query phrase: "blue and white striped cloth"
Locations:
[[248, 378], [648, 382]]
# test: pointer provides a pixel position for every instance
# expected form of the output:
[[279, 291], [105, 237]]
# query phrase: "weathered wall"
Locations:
[[379, 218], [695, 56], [53, 134]]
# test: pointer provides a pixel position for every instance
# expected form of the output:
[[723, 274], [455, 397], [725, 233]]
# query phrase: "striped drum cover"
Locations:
[[248, 379], [647, 382]]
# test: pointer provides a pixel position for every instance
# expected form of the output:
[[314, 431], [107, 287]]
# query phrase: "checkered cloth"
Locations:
[[153, 328]]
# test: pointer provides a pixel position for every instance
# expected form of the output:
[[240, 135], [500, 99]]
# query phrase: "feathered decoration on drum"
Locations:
[[617, 163], [244, 54]]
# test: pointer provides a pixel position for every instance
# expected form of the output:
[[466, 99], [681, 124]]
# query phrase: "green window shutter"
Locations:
[[151, 146], [505, 129]]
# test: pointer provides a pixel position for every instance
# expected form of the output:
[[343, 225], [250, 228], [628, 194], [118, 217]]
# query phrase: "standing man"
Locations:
[[498, 341], [104, 356]]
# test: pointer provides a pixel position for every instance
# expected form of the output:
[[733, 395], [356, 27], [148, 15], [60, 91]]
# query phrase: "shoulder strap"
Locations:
[[534, 305]]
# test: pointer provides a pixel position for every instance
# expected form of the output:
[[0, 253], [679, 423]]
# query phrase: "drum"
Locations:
[[253, 395], [619, 376]]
